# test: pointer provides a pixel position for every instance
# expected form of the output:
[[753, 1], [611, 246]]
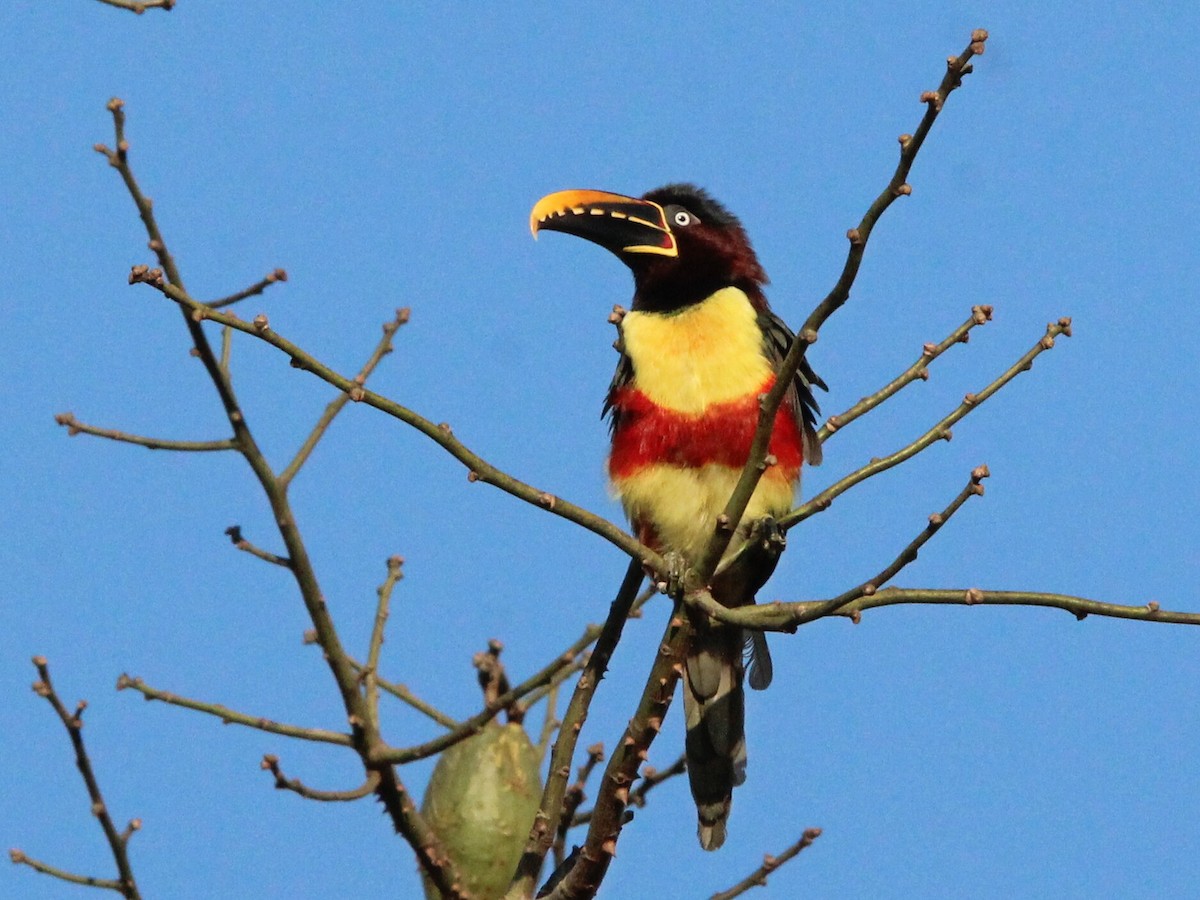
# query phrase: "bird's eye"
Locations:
[[683, 218]]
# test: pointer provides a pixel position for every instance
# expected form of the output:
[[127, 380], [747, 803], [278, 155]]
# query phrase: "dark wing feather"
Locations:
[[620, 379], [777, 341]]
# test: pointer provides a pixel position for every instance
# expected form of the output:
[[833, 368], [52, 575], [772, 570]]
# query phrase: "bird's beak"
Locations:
[[623, 225]]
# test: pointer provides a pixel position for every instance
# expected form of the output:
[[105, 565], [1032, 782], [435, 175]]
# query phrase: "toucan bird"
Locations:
[[698, 348]]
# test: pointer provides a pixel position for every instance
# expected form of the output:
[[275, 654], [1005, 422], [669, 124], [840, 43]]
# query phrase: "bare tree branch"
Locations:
[[369, 674], [479, 469], [1080, 607], [910, 144], [232, 716], [382, 349], [574, 797], [974, 488], [473, 725], [74, 427], [757, 462], [19, 857], [612, 800], [545, 823], [939, 432], [270, 763], [550, 721], [118, 841], [919, 370], [758, 878], [234, 532], [651, 778], [365, 735], [404, 694], [252, 291], [140, 6]]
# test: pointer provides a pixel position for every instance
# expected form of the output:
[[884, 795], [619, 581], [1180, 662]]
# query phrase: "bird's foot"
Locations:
[[767, 537], [670, 582]]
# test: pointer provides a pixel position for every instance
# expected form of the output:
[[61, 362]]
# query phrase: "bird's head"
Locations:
[[680, 243]]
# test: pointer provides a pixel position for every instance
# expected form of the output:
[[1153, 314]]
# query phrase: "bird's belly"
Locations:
[[674, 472], [675, 507]]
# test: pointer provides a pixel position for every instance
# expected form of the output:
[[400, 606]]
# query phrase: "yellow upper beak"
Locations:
[[618, 223]]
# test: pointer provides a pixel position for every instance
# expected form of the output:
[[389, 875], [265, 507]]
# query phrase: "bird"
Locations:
[[698, 347]]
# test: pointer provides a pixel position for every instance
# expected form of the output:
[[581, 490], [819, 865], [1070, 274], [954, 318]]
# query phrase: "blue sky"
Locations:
[[390, 158]]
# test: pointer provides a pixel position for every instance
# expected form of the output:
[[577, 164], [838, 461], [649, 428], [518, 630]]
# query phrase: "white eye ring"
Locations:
[[682, 218]]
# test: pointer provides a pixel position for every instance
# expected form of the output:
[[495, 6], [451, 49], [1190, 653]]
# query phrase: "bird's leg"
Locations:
[[765, 541], [671, 582], [767, 538]]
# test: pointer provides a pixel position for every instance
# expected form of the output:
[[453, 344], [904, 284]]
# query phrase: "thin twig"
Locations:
[[140, 6], [238, 540], [226, 350], [252, 291], [382, 349], [918, 371], [403, 693], [651, 778], [118, 842], [493, 677], [574, 797], [552, 685], [370, 678], [550, 724], [233, 717], [939, 432], [475, 724], [270, 763], [1079, 607], [910, 144], [74, 427], [19, 857], [758, 878]]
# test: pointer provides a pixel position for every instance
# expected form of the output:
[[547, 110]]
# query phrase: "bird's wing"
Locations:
[[777, 341], [620, 379]]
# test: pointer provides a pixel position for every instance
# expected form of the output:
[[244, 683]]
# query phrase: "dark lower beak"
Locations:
[[622, 225]]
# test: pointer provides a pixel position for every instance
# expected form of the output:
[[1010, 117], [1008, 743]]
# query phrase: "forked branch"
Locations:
[[118, 841], [757, 462], [758, 878]]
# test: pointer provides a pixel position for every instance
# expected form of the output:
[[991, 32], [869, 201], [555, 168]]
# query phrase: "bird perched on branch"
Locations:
[[698, 348]]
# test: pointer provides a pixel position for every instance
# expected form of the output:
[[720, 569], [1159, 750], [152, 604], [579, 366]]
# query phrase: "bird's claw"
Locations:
[[671, 581], [767, 536]]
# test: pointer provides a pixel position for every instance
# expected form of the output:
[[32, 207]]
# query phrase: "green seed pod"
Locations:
[[480, 802]]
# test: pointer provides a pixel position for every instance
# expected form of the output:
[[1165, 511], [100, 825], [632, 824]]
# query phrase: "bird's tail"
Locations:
[[714, 703], [714, 707]]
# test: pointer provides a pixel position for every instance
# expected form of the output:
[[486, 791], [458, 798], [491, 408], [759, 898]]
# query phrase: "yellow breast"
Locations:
[[710, 352]]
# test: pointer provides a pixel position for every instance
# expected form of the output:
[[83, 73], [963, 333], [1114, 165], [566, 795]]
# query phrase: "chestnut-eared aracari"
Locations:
[[698, 348]]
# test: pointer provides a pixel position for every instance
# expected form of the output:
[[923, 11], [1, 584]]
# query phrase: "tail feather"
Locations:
[[714, 708], [758, 661]]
